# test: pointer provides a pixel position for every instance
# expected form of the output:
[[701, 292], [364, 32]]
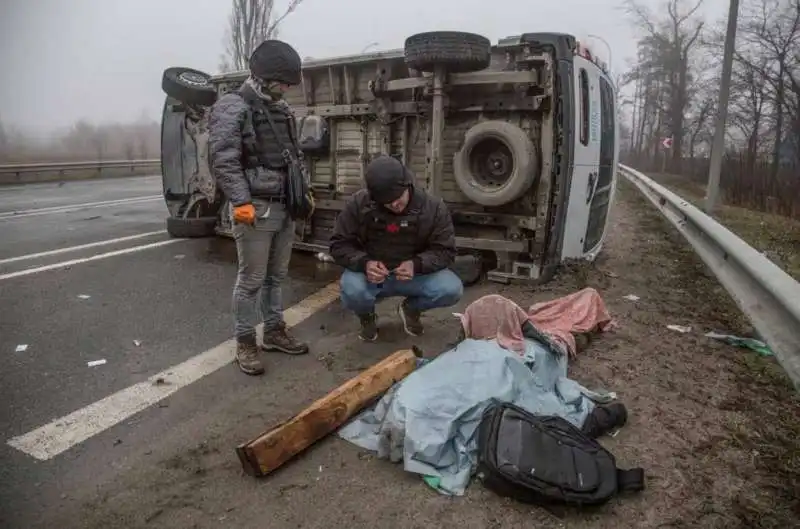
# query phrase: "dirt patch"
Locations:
[[776, 236], [716, 428]]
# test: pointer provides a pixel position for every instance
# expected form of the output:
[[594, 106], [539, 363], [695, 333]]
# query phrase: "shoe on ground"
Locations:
[[369, 327], [411, 319], [247, 358], [280, 340]]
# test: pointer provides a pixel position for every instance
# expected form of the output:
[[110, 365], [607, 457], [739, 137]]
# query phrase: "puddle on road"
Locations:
[[304, 265]]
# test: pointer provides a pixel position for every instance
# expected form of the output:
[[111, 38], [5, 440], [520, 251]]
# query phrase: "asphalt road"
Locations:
[[147, 439], [163, 302]]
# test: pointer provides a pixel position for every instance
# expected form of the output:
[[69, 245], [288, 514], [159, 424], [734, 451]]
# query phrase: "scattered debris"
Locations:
[[324, 257], [180, 256], [680, 328], [632, 297], [84, 296], [21, 348], [160, 382], [290, 486], [94, 363], [94, 217], [327, 360], [117, 442], [137, 343], [747, 343]]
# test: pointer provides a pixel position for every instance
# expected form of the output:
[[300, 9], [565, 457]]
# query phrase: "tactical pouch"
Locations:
[[299, 200]]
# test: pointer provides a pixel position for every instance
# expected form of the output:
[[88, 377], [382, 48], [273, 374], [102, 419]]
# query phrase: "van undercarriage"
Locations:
[[481, 126]]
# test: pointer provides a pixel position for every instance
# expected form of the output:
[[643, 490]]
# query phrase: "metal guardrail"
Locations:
[[20, 168], [767, 295]]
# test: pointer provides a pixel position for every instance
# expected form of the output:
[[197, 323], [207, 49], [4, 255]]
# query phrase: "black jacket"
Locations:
[[367, 231]]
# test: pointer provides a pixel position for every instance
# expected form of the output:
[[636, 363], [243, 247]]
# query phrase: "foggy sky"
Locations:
[[101, 60]]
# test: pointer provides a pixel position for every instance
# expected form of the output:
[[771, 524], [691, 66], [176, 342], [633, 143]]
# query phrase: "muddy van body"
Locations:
[[519, 138]]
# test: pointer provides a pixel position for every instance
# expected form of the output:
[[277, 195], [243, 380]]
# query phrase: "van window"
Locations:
[[607, 133], [584, 107]]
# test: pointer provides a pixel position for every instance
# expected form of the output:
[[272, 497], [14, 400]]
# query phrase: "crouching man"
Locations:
[[394, 239]]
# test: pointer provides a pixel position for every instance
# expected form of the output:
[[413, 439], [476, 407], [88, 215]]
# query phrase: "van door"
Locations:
[[586, 157], [606, 181]]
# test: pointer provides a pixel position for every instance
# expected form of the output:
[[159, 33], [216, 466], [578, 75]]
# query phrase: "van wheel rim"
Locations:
[[193, 79], [491, 163]]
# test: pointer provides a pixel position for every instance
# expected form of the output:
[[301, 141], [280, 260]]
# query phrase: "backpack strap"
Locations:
[[630, 480]]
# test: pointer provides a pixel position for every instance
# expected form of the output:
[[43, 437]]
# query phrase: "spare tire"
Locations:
[[457, 51], [496, 164], [189, 86]]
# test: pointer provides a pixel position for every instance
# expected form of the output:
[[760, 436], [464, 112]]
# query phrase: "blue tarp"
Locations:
[[429, 420]]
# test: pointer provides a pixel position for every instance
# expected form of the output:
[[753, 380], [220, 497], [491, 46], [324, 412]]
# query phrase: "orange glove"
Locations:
[[244, 214]]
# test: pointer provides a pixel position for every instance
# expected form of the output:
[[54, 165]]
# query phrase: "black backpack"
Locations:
[[547, 460]]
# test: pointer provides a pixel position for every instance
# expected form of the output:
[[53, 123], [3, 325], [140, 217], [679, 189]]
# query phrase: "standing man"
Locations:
[[249, 131], [394, 239]]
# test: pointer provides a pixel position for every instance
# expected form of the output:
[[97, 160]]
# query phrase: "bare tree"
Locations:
[[675, 77], [250, 23], [667, 48], [770, 48]]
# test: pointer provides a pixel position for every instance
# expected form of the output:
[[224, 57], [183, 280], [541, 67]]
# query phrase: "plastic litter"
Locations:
[[137, 343], [679, 328], [84, 296], [632, 297], [21, 348], [747, 343], [180, 256], [94, 363]]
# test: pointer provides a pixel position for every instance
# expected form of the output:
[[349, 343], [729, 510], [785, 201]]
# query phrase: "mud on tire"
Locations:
[[188, 86], [457, 51]]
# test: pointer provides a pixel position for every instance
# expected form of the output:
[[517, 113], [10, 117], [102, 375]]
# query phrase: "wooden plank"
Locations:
[[270, 450]]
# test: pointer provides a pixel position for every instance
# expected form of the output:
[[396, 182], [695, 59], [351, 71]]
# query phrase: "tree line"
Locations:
[[84, 141], [249, 23], [673, 86]]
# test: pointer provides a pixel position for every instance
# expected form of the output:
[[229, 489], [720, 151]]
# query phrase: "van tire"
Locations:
[[189, 86], [192, 227], [456, 51], [473, 183], [468, 267]]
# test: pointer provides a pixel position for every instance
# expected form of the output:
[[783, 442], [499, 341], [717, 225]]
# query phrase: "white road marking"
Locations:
[[80, 247], [75, 207], [65, 432], [97, 257]]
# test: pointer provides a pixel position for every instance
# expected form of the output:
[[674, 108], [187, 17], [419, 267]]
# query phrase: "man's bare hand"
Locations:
[[405, 272], [376, 272]]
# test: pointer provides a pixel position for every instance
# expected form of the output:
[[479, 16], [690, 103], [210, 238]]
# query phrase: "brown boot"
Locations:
[[247, 358], [280, 340]]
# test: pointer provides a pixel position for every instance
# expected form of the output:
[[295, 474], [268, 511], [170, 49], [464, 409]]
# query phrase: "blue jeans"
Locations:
[[264, 251], [423, 292]]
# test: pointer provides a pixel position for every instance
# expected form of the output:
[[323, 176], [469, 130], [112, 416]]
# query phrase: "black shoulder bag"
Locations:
[[299, 198]]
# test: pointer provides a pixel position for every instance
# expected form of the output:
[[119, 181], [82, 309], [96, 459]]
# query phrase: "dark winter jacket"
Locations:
[[367, 231], [239, 172]]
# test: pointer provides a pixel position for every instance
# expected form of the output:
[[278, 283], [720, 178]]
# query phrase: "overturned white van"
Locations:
[[519, 138]]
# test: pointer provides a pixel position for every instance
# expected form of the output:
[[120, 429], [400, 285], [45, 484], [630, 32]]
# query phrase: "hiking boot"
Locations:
[[280, 340], [247, 358], [369, 327], [411, 319]]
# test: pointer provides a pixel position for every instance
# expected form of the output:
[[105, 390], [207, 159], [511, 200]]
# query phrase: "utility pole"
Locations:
[[718, 147]]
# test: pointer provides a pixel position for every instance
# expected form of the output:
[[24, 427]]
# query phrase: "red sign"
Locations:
[[666, 143]]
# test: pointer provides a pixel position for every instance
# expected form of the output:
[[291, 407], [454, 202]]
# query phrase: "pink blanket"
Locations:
[[494, 316]]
